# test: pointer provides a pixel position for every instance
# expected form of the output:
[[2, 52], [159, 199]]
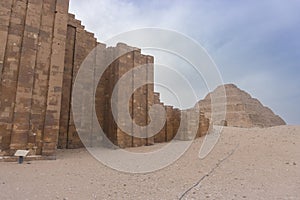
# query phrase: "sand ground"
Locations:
[[265, 165]]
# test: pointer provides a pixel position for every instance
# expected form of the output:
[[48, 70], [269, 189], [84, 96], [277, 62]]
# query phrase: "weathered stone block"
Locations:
[[43, 49]]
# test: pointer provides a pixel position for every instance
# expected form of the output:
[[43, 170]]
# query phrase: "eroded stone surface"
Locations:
[[242, 109], [42, 49]]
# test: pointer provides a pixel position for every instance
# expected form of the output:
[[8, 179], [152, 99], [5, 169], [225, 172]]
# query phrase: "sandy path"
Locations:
[[266, 165]]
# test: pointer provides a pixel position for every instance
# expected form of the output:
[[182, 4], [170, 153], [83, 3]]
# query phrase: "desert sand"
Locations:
[[245, 164]]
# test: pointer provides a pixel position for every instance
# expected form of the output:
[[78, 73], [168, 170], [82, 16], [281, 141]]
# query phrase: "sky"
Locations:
[[254, 43]]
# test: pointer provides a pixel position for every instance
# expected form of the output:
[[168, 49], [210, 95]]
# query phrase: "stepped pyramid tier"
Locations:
[[241, 109]]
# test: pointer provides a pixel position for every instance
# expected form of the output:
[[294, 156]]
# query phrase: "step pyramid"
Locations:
[[241, 109]]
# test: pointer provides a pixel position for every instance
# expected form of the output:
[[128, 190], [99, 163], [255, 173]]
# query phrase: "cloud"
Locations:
[[110, 17]]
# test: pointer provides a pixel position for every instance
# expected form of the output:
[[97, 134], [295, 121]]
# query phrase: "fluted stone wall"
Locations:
[[32, 65], [42, 48], [79, 43]]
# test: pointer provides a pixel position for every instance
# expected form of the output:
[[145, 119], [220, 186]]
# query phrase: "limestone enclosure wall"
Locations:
[[42, 48], [79, 43], [32, 65]]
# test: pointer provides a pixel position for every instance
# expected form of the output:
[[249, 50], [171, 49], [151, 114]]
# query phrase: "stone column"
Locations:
[[51, 127], [10, 71], [22, 136]]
